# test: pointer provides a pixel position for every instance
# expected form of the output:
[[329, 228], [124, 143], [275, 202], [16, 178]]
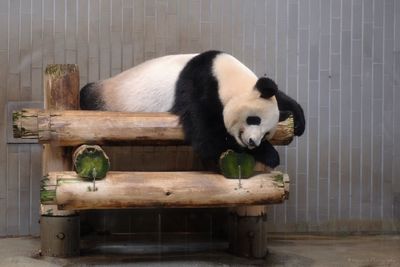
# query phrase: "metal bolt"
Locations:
[[60, 236], [250, 234]]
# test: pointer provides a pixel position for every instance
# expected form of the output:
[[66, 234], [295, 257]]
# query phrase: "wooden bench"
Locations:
[[61, 125]]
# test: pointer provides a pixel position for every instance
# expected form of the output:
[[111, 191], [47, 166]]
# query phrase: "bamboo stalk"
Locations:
[[162, 189], [75, 127]]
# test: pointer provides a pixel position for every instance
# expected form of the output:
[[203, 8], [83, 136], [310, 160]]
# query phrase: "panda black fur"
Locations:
[[221, 103]]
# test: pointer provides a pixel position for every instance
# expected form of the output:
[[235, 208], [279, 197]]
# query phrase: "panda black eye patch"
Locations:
[[253, 120]]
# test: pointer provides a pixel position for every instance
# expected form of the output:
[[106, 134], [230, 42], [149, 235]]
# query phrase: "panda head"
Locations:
[[253, 116]]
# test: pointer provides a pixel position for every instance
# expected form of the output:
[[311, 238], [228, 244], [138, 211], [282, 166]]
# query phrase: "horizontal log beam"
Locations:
[[162, 189], [75, 127]]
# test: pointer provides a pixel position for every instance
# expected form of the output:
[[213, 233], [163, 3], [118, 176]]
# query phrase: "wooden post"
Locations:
[[60, 235], [248, 231], [59, 228], [248, 228]]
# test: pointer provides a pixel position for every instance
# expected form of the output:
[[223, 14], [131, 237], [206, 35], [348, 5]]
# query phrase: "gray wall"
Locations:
[[340, 59]]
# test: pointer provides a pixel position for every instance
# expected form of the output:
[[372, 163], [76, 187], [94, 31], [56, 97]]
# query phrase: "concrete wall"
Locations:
[[339, 58]]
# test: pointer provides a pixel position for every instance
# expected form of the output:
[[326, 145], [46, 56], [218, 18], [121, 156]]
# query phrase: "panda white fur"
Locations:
[[221, 103]]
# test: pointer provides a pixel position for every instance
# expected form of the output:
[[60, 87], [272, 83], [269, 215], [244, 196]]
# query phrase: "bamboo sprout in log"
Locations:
[[91, 162], [236, 165]]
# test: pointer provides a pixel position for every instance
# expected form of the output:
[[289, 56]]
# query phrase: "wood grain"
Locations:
[[61, 92], [74, 127], [162, 189]]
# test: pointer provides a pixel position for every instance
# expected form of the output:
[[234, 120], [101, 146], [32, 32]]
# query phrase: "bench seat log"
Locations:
[[162, 189], [75, 127]]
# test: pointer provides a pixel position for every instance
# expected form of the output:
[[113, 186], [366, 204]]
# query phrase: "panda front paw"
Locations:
[[272, 161], [299, 121], [267, 154], [284, 114]]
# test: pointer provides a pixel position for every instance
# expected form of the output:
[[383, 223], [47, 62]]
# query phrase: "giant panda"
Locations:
[[220, 102]]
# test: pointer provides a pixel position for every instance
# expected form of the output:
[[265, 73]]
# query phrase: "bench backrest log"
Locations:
[[75, 127]]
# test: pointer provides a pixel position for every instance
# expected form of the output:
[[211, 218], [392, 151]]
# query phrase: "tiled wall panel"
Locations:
[[339, 58]]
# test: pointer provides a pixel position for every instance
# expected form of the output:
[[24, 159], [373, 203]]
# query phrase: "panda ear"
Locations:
[[266, 87]]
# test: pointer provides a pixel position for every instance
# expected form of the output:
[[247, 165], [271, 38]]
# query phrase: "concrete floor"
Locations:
[[284, 251]]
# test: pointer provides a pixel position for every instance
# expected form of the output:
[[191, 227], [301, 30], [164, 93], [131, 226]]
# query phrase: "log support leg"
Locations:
[[248, 232], [59, 230], [60, 235]]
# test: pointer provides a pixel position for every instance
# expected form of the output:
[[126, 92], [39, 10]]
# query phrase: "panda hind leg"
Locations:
[[91, 97]]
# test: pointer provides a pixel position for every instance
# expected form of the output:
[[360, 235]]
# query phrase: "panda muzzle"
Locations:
[[252, 143]]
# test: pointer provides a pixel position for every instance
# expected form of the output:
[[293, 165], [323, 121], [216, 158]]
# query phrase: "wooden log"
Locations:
[[61, 92], [75, 127], [162, 189]]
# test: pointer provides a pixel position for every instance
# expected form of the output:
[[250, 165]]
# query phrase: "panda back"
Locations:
[[148, 87]]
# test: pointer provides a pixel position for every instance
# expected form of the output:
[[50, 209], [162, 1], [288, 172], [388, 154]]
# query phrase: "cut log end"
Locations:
[[58, 70], [284, 132], [25, 123], [47, 196], [282, 180]]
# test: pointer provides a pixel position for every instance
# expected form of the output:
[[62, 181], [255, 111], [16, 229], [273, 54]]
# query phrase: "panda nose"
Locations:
[[251, 142]]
